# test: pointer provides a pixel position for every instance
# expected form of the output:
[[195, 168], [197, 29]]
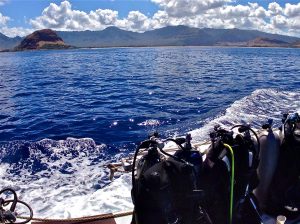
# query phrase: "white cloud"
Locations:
[[181, 8], [136, 21], [285, 20], [237, 11], [3, 20], [104, 16], [292, 10], [63, 17], [11, 31], [279, 21], [15, 31], [275, 8], [251, 16], [160, 17], [257, 11]]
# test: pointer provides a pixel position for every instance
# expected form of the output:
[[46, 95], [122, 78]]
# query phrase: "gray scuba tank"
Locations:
[[269, 155]]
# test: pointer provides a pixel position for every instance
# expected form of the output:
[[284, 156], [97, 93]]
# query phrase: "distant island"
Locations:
[[167, 36]]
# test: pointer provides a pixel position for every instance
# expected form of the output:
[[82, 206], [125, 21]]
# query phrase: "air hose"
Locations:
[[144, 144], [231, 181]]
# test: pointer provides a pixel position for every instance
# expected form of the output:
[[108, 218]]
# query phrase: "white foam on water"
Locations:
[[84, 188], [71, 173], [70, 201], [255, 109]]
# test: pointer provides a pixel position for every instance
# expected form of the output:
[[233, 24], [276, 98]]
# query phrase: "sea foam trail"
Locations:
[[255, 109], [66, 178], [59, 178]]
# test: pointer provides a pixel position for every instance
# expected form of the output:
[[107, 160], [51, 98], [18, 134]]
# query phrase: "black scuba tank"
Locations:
[[217, 177], [152, 192], [284, 194], [193, 211], [164, 190]]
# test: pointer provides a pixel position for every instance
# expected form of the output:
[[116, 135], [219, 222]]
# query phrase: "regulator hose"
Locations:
[[174, 157], [144, 144], [231, 182]]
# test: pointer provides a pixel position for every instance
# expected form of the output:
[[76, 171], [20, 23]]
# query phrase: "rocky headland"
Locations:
[[42, 39]]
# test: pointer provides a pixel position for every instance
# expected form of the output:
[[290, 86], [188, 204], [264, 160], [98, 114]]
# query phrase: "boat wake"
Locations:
[[255, 109], [67, 178]]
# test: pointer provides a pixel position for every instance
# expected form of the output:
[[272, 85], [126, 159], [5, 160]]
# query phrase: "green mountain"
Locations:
[[167, 36], [8, 43], [110, 37]]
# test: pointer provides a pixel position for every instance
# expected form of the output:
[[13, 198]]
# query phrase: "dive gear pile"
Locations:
[[166, 190], [284, 194], [243, 175], [182, 188]]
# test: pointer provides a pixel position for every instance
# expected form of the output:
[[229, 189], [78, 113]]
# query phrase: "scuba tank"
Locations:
[[284, 193], [144, 183], [229, 176], [269, 154], [194, 157], [165, 190]]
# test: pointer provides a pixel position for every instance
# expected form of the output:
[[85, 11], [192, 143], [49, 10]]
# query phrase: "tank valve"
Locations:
[[268, 125]]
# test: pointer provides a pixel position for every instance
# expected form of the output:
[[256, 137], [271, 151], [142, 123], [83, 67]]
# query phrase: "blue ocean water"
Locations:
[[115, 95], [63, 114]]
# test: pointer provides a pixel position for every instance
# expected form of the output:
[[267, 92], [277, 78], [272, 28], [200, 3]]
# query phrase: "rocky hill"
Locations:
[[42, 39], [267, 42], [296, 44]]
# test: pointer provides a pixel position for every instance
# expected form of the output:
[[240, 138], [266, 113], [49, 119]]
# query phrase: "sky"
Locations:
[[21, 17]]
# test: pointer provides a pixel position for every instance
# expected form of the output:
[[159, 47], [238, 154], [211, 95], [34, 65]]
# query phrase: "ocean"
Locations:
[[64, 114]]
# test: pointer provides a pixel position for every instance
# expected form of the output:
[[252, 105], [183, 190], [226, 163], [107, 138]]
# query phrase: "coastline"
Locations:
[[146, 46]]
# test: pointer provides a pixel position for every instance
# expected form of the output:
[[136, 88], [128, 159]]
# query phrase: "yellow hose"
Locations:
[[231, 182]]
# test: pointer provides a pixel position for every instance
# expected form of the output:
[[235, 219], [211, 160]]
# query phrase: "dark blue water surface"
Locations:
[[117, 96]]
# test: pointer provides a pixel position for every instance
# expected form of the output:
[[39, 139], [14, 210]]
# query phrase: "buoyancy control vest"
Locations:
[[166, 190], [284, 194], [230, 200]]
